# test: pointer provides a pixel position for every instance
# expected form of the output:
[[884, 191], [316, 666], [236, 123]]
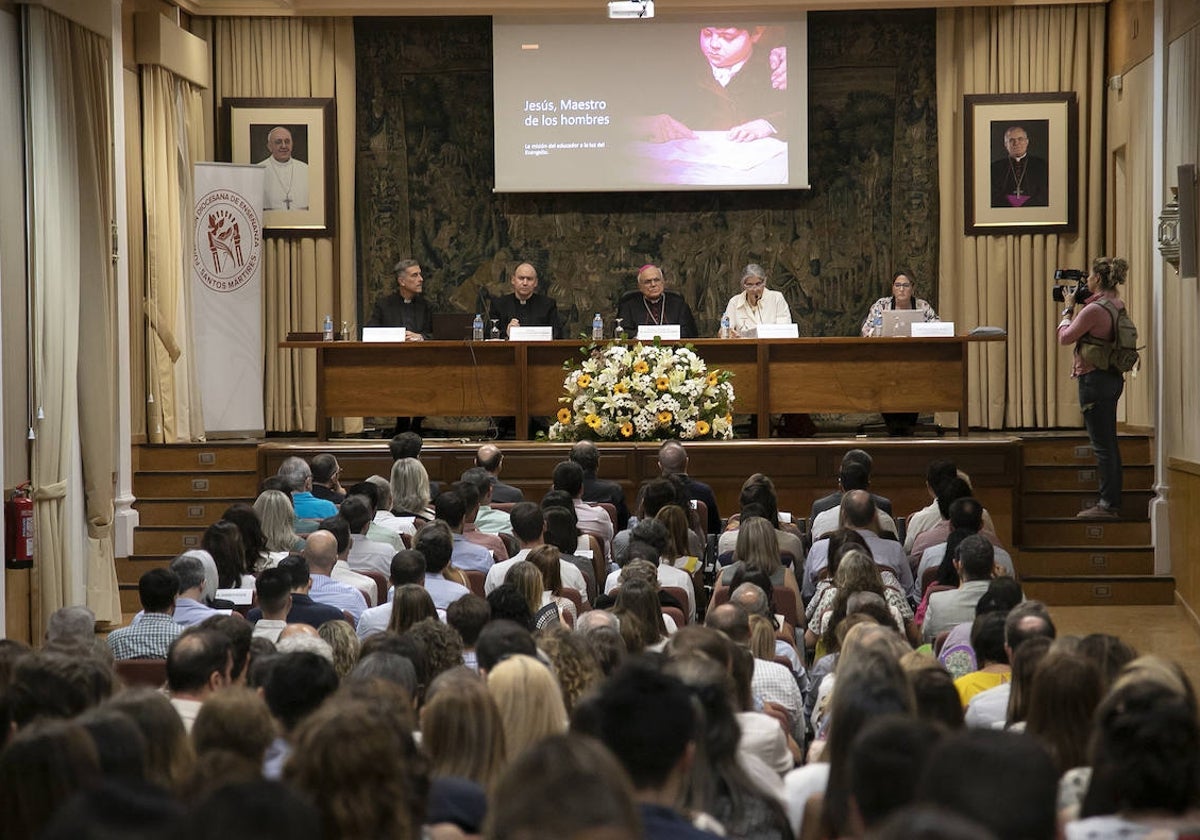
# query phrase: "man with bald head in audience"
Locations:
[[859, 510], [198, 665], [673, 461], [320, 550], [490, 458], [587, 456]]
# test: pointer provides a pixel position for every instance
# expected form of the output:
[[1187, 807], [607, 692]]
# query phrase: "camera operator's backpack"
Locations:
[[1119, 354]]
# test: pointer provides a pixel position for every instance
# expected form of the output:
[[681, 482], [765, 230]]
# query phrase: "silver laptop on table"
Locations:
[[898, 323]]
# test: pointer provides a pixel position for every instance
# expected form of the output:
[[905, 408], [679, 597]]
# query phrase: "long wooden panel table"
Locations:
[[520, 379]]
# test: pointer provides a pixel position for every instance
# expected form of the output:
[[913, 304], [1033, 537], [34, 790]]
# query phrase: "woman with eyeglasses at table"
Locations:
[[755, 304], [901, 298]]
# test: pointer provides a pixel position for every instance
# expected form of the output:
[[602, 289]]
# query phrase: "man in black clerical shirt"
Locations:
[[525, 307], [406, 307], [1020, 179], [652, 304]]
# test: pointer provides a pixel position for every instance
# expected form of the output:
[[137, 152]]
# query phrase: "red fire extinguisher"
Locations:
[[18, 529]]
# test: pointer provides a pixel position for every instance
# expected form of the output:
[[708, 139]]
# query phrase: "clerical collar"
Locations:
[[1021, 158], [724, 75]]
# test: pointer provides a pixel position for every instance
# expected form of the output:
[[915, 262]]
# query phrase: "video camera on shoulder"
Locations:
[[1063, 278]]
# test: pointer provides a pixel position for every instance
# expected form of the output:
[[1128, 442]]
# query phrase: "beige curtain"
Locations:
[[1004, 280], [70, 210], [307, 277], [172, 141]]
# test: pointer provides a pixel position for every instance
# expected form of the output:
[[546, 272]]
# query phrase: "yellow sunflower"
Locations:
[[593, 421], [712, 378], [701, 428], [729, 419], [584, 380], [640, 366], [664, 417], [663, 384], [626, 429], [564, 416], [621, 388]]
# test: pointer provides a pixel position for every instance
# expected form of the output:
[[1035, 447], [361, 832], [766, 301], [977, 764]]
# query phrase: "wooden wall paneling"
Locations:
[[1183, 501]]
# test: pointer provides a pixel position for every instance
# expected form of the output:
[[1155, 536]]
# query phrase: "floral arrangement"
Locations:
[[644, 392]]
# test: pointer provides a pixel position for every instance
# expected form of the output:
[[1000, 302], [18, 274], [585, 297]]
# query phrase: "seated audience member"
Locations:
[[859, 511], [526, 578], [407, 566], [975, 561], [920, 521], [574, 663], [1110, 654], [468, 615], [565, 787], [275, 601], [240, 634], [933, 690], [654, 495], [759, 498], [834, 499], [599, 490], [439, 642], [965, 515], [755, 600], [461, 730], [491, 542], [639, 608], [366, 554], [858, 574], [189, 607], [325, 478], [436, 546], [987, 640], [1146, 759], [530, 702], [298, 478], [673, 463], [233, 730], [198, 665], [529, 526], [411, 495], [254, 541], [499, 639], [466, 555], [1004, 781], [254, 809], [654, 533], [342, 573], [548, 561], [757, 550], [568, 477], [55, 684], [563, 533], [410, 604], [1062, 703], [383, 527], [304, 609], [509, 603], [223, 542], [489, 458], [169, 755], [954, 652], [488, 519], [278, 519], [41, 768], [321, 554], [344, 643], [151, 637], [854, 475], [637, 707], [950, 491], [995, 707]]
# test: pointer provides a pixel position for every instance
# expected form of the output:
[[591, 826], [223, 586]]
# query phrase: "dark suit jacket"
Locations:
[[323, 492], [505, 493], [304, 611], [601, 490], [538, 311], [701, 492], [834, 499], [392, 311], [633, 313], [1034, 177]]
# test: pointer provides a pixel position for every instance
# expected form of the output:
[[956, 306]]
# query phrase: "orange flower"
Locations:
[[729, 419], [626, 429], [712, 378], [664, 417], [564, 416], [584, 380], [701, 428], [662, 383], [593, 421], [640, 366], [620, 388]]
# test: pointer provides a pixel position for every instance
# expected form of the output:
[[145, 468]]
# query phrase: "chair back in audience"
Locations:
[[381, 585], [475, 580], [676, 615], [137, 672], [575, 598], [680, 595]]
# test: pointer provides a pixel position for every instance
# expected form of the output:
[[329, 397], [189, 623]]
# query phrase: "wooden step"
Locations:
[[1084, 562], [196, 457], [1084, 532], [131, 569], [1072, 450], [1067, 503], [1082, 478], [130, 602], [161, 540], [1101, 590], [212, 485], [182, 512]]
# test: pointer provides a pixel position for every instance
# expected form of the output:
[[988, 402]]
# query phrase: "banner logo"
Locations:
[[228, 239]]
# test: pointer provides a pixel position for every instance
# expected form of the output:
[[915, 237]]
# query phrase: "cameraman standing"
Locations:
[[1099, 388]]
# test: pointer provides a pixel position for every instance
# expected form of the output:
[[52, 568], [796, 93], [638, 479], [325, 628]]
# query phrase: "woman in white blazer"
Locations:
[[756, 304]]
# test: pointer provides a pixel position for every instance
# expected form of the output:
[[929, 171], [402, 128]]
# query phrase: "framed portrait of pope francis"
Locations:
[[294, 141]]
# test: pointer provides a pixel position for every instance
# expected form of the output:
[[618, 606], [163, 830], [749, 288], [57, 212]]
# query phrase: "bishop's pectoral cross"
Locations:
[[287, 201]]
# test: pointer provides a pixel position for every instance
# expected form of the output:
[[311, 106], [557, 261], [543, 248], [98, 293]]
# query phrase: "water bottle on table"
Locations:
[[477, 328], [597, 328], [327, 328], [725, 329]]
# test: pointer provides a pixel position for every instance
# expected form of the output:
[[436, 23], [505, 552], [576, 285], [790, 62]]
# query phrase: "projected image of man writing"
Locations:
[[738, 87]]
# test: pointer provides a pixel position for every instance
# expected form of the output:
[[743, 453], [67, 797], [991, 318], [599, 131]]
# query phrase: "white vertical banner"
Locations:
[[227, 297]]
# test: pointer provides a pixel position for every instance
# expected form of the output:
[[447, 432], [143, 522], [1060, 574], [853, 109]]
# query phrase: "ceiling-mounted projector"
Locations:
[[626, 9]]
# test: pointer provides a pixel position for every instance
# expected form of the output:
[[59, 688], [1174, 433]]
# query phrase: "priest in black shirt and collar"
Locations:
[[652, 304], [525, 307], [406, 307]]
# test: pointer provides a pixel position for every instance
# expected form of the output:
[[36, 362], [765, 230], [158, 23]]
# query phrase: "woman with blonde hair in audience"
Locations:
[[529, 700], [527, 579], [410, 604], [461, 729], [345, 643], [762, 638], [547, 558], [574, 662], [278, 520], [757, 549], [410, 494], [643, 626]]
